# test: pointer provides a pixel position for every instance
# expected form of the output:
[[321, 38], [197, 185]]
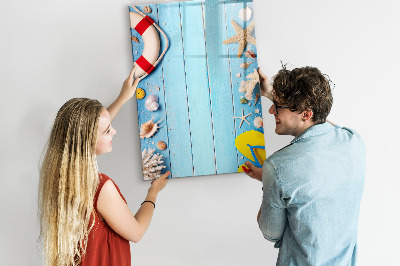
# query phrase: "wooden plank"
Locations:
[[220, 87], [198, 92], [175, 92], [239, 74], [153, 85]]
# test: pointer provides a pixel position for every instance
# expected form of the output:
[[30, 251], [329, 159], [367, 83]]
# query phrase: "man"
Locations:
[[312, 187]]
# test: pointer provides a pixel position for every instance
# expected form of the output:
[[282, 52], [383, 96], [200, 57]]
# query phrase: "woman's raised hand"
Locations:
[[158, 184], [129, 85]]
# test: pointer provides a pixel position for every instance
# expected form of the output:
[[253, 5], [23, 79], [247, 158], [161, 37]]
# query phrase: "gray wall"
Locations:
[[51, 51]]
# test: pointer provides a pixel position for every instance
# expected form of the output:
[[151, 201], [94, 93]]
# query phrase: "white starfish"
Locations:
[[243, 36], [243, 118]]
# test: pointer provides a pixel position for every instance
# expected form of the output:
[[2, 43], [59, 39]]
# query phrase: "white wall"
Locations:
[[51, 51]]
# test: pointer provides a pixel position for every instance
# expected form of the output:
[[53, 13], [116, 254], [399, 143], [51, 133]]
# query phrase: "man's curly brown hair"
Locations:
[[304, 88]]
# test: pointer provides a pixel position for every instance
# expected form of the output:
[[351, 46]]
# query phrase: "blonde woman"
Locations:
[[84, 219]]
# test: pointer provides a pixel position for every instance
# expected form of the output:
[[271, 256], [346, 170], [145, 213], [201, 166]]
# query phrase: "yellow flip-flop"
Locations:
[[252, 145]]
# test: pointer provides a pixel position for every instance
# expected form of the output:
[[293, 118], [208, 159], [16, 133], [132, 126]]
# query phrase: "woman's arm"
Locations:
[[119, 217], [127, 92]]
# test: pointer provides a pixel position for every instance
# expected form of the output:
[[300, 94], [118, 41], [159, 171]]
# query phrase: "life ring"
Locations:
[[146, 27]]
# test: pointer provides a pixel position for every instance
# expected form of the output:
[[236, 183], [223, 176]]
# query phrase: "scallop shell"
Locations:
[[140, 93], [148, 129], [151, 98], [161, 145], [258, 122], [153, 106], [245, 14], [151, 103]]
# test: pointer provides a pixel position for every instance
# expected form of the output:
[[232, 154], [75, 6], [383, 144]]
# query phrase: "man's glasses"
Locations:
[[279, 106]]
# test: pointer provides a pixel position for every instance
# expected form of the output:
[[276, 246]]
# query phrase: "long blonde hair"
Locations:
[[68, 182]]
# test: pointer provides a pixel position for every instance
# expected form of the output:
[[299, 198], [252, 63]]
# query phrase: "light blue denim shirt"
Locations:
[[311, 197]]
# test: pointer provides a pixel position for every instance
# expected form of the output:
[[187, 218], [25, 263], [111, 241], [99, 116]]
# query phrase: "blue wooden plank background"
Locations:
[[200, 114], [220, 88], [197, 83]]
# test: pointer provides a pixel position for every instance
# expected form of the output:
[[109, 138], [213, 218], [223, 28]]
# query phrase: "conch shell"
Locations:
[[148, 129]]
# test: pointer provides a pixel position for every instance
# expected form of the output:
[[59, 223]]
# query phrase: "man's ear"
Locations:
[[307, 115]]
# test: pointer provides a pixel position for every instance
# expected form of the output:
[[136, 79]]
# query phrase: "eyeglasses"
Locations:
[[278, 106]]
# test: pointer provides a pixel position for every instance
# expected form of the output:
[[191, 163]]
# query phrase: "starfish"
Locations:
[[243, 118], [243, 36]]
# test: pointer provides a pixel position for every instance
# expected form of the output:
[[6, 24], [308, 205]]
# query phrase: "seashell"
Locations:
[[161, 145], [148, 129], [151, 98], [258, 122], [146, 9], [244, 100], [245, 14], [153, 106], [135, 39], [250, 54], [140, 93], [151, 103]]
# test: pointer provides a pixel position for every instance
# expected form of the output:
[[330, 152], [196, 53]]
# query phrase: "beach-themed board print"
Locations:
[[198, 99]]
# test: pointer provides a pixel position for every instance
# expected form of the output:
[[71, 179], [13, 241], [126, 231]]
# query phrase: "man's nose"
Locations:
[[272, 110]]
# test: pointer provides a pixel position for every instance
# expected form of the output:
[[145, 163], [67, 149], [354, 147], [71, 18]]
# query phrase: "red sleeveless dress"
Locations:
[[105, 247]]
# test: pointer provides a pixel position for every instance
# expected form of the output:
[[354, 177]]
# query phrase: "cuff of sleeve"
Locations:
[[271, 223]]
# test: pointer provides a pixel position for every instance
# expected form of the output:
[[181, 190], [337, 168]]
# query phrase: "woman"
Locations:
[[84, 219]]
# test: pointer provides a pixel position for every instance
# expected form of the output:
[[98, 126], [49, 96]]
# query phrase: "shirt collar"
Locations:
[[314, 131]]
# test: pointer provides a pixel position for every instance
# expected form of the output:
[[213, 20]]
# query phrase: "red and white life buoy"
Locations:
[[146, 27]]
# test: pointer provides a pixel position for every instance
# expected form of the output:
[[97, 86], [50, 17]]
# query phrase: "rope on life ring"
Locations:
[[141, 27]]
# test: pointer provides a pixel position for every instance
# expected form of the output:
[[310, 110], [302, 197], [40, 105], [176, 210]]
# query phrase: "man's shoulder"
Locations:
[[338, 136]]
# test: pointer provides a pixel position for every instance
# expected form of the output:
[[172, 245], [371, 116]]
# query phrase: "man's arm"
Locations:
[[272, 217]]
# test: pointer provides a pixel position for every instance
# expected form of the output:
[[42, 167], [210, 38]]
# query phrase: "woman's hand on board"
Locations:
[[158, 184], [129, 86]]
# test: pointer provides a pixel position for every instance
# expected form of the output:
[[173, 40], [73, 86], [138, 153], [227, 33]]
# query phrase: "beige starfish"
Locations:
[[243, 117], [243, 36]]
